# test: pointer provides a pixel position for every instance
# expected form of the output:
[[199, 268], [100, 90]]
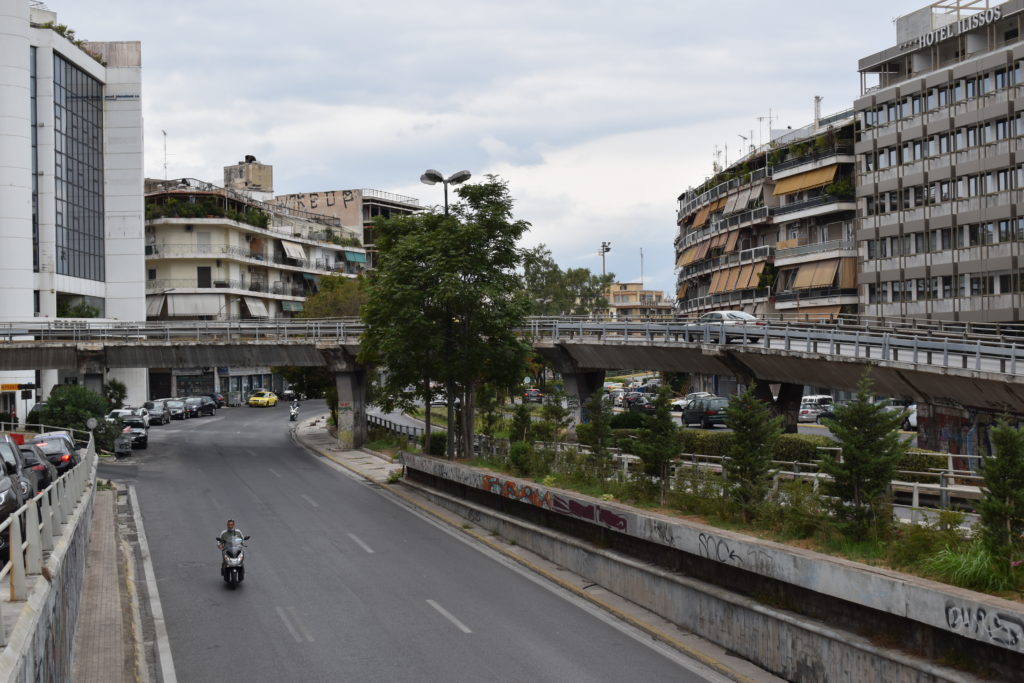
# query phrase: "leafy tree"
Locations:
[[1002, 508], [339, 297], [870, 446], [444, 302], [553, 291], [749, 461], [70, 406], [115, 392], [659, 441]]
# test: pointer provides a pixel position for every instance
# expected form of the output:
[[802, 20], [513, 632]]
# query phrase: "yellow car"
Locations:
[[263, 398]]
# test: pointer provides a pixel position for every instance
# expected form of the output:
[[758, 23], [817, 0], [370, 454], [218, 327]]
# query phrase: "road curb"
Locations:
[[457, 523]]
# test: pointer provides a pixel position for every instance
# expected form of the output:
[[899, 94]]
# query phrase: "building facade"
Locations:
[[215, 253], [629, 300], [71, 209], [773, 233], [939, 179]]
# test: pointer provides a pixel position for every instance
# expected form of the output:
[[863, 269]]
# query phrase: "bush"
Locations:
[[973, 567], [706, 442], [438, 443], [795, 510], [917, 460], [628, 420], [801, 447], [519, 454]]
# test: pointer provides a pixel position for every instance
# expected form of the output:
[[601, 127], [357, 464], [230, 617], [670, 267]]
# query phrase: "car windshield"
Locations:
[[133, 422], [718, 402], [175, 404], [192, 401], [54, 447]]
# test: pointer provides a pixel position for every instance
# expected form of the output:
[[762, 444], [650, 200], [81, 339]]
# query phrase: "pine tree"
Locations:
[[870, 446], [659, 441], [1002, 508], [748, 468]]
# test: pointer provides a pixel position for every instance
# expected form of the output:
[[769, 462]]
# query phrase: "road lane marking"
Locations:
[[288, 625], [360, 543], [298, 624], [449, 616], [275, 473], [163, 641], [310, 501]]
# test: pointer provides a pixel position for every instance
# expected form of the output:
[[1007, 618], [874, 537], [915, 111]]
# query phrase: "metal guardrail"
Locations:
[[32, 529]]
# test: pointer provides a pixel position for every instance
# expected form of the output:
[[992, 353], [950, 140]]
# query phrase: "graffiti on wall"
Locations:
[[1005, 630], [523, 493], [590, 512], [310, 201]]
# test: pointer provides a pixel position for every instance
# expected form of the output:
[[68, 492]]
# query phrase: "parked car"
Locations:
[[33, 458], [13, 468], [642, 405], [209, 406], [533, 396], [809, 412], [176, 409], [219, 399], [680, 404], [262, 398], [707, 412], [910, 419], [134, 425], [113, 415], [158, 412], [739, 325], [195, 406], [60, 449]]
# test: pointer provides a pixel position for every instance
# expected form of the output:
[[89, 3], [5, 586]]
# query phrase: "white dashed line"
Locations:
[[274, 472], [360, 543], [449, 616], [288, 625], [310, 501]]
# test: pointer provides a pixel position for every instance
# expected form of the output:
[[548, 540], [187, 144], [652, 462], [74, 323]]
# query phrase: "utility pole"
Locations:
[[605, 248], [165, 153]]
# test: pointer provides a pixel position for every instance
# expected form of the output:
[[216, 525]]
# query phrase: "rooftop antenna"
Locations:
[[165, 153], [641, 267], [760, 122]]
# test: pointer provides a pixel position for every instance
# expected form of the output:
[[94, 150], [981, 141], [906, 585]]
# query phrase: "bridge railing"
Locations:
[[30, 532]]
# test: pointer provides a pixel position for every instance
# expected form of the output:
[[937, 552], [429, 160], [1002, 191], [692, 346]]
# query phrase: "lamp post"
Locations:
[[432, 177], [605, 248]]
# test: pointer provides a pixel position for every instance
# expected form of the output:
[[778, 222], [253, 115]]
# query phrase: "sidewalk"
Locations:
[[313, 434]]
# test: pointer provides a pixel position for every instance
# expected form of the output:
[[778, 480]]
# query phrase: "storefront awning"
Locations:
[[293, 306], [355, 257], [194, 304], [257, 309], [806, 181], [154, 305], [293, 250]]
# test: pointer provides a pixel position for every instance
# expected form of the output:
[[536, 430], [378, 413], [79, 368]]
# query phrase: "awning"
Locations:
[[804, 276], [293, 306], [806, 181], [816, 312], [825, 273], [730, 204], [730, 244], [686, 257], [702, 250], [848, 273], [730, 283], [787, 244], [311, 276], [755, 194], [741, 200], [294, 250], [716, 278], [755, 276], [154, 304], [681, 292], [702, 217], [355, 257], [194, 304], [743, 282], [257, 309]]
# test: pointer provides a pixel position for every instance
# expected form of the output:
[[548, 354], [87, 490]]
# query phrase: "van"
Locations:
[[817, 400]]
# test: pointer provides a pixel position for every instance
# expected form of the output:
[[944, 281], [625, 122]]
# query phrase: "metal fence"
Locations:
[[31, 530]]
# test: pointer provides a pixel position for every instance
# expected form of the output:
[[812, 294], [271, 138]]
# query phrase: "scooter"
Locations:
[[232, 566], [293, 414]]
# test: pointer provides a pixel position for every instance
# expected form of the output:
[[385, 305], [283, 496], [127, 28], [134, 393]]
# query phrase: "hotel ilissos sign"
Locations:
[[954, 28]]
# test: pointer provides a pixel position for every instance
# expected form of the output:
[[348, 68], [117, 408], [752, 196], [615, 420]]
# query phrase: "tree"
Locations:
[[339, 297], [70, 406], [553, 291], [1002, 508], [444, 301], [659, 441], [870, 446], [749, 456], [115, 392], [554, 413], [597, 431]]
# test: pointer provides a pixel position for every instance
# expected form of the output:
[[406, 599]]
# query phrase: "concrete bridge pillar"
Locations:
[[351, 387], [580, 385], [787, 404]]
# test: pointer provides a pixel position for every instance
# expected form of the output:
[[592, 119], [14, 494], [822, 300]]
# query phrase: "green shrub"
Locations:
[[519, 455], [438, 443], [795, 510], [801, 447], [918, 543], [917, 460], [972, 567], [706, 442], [629, 420]]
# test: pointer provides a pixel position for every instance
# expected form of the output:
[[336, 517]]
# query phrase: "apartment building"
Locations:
[[939, 179], [773, 233], [629, 300], [71, 207], [218, 253]]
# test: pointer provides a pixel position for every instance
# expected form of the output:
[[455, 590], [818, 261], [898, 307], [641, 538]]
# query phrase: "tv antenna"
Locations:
[[760, 122]]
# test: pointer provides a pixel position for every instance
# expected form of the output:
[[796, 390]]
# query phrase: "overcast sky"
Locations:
[[598, 113]]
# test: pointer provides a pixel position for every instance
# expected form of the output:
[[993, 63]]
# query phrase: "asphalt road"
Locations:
[[344, 583]]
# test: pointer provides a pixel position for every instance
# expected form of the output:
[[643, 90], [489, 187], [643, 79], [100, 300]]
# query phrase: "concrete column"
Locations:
[[579, 386], [787, 404], [351, 386]]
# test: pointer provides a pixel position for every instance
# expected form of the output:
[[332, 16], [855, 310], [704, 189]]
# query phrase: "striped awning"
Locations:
[[806, 181], [257, 309]]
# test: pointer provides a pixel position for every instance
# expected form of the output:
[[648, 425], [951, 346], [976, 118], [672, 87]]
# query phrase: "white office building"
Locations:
[[71, 185]]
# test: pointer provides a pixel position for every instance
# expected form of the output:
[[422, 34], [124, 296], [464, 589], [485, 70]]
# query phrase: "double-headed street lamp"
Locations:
[[432, 177]]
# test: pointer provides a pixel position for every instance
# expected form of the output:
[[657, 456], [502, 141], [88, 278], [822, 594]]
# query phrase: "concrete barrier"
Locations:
[[727, 587]]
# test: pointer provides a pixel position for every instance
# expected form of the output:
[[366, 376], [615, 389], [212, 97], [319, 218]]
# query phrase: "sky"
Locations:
[[598, 114]]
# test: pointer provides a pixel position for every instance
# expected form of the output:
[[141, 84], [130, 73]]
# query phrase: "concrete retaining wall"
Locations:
[[845, 594], [39, 646]]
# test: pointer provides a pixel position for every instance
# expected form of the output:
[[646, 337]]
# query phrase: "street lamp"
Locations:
[[432, 177], [605, 248]]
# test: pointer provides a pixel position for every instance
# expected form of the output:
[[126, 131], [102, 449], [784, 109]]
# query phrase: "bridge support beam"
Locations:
[[350, 381], [787, 404], [580, 385]]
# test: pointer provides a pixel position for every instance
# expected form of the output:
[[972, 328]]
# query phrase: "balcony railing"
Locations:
[[165, 285], [835, 150], [817, 247], [763, 253], [210, 251], [815, 293], [820, 200]]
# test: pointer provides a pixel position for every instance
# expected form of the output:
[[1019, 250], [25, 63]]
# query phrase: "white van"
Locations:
[[818, 400]]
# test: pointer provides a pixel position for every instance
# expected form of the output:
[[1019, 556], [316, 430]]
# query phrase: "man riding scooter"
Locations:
[[230, 543], [293, 413]]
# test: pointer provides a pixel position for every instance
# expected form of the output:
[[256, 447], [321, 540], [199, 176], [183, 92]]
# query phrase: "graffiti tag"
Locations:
[[1006, 630], [717, 549]]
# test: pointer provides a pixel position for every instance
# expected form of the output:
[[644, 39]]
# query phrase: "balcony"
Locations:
[[814, 202], [814, 293], [246, 254], [179, 285], [836, 150], [763, 253], [814, 248]]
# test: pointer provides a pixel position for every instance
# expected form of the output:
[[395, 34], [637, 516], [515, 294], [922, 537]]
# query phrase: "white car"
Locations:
[[740, 320], [113, 415]]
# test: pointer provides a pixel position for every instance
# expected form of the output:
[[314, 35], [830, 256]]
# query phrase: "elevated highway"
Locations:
[[976, 366]]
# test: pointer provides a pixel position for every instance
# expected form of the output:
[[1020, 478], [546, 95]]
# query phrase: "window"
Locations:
[[944, 188], [943, 94], [999, 79], [915, 105], [151, 274], [947, 287], [872, 249], [1005, 231], [919, 243], [869, 162]]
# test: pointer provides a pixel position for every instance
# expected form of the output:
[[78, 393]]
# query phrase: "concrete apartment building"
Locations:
[[773, 233], [220, 253], [939, 178], [629, 300], [71, 206]]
